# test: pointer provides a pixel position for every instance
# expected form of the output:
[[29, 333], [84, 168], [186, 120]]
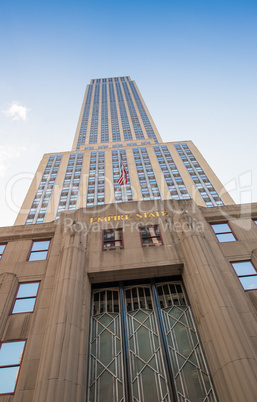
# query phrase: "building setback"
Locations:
[[115, 124], [144, 292]]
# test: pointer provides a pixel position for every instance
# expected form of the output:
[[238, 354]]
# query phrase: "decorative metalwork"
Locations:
[[106, 376], [144, 341], [190, 372], [148, 377]]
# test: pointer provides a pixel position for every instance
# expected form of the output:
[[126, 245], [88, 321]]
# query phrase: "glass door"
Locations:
[[144, 346], [148, 377], [105, 370]]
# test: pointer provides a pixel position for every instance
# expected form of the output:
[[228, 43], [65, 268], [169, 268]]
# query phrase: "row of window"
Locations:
[[121, 193], [113, 238], [84, 122], [94, 119], [11, 352], [244, 269], [123, 114], [71, 183], [171, 174], [145, 172], [116, 79], [223, 231], [143, 114], [39, 250], [133, 114], [130, 98], [44, 192], [205, 188], [129, 144], [151, 236]]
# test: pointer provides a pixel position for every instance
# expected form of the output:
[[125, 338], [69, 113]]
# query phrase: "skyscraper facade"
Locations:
[[130, 275], [115, 123]]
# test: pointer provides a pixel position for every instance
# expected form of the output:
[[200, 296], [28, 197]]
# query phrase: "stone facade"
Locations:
[[55, 363]]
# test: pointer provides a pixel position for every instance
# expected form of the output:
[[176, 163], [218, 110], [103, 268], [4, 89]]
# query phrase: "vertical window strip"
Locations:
[[44, 192], [171, 174], [148, 127], [2, 248], [95, 113], [123, 114], [96, 179], [84, 122], [114, 114], [135, 121], [71, 183], [11, 355], [204, 186], [121, 193], [104, 116], [146, 177]]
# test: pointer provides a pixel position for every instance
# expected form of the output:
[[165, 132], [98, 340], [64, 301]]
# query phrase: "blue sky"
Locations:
[[194, 62]]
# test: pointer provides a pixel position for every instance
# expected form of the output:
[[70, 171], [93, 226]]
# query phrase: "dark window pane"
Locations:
[[112, 239], [156, 230], [109, 235], [109, 244], [145, 232], [147, 240]]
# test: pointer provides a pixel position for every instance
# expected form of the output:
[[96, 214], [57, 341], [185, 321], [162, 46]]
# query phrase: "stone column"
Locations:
[[230, 353], [60, 362], [8, 287]]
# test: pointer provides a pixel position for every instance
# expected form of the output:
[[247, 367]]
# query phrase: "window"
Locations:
[[112, 239], [246, 273], [39, 250], [255, 221], [150, 236], [10, 361], [25, 298], [2, 247], [223, 232]]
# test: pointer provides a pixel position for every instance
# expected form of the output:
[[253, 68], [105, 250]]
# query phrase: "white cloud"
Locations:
[[17, 111], [7, 154]]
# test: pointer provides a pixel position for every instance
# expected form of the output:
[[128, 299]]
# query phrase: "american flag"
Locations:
[[123, 174]]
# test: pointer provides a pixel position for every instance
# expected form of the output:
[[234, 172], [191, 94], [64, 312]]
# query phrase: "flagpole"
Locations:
[[125, 192], [122, 193]]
